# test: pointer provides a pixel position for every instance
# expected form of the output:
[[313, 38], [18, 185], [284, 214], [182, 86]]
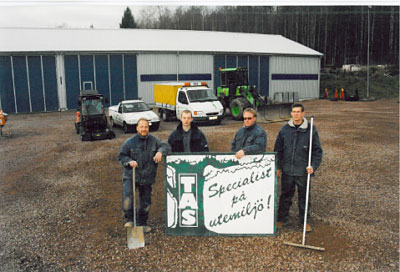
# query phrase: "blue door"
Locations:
[[6, 85]]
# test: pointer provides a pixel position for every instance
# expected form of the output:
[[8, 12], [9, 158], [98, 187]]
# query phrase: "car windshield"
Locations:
[[92, 106], [135, 107], [201, 95]]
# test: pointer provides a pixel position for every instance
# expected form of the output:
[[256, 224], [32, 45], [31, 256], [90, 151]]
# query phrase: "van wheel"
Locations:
[[164, 116]]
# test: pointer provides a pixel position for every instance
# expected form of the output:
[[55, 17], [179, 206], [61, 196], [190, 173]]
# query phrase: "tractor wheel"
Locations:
[[237, 107]]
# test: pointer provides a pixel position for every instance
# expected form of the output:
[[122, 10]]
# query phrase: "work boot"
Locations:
[[128, 225], [146, 229], [308, 227]]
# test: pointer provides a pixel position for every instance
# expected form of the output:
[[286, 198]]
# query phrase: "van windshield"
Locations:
[[201, 95]]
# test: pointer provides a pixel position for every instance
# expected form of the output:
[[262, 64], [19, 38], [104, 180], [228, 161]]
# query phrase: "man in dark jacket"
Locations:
[[187, 137], [292, 147], [250, 139], [142, 152]]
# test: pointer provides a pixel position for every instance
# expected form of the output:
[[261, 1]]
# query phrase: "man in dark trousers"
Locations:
[[250, 139], [142, 152], [292, 148], [187, 137]]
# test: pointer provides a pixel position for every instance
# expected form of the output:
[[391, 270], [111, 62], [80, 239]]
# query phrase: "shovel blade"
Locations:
[[135, 237], [274, 112]]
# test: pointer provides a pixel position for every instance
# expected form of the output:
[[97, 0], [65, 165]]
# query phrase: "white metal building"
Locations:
[[45, 69]]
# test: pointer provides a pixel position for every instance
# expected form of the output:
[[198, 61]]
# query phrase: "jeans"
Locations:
[[289, 184], [145, 192]]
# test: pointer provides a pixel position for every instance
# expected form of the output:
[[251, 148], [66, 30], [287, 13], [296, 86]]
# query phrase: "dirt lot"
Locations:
[[60, 200]]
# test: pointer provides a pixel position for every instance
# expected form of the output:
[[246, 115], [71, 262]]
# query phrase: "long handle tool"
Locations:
[[307, 195], [135, 234]]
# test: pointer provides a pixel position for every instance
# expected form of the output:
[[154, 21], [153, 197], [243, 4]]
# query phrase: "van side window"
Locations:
[[182, 98]]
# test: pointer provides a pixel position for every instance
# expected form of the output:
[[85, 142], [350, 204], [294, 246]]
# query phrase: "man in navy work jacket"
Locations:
[[142, 152], [187, 137], [250, 139], [292, 147]]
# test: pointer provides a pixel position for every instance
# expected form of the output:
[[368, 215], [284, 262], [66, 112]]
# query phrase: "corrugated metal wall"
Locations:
[[301, 74], [156, 68], [33, 84]]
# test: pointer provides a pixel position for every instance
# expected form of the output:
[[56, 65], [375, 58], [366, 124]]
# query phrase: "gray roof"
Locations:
[[43, 40]]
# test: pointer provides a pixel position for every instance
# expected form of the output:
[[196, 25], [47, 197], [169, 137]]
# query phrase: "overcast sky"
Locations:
[[74, 16], [104, 14]]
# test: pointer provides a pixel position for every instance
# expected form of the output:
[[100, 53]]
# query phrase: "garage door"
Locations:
[[113, 75], [28, 84]]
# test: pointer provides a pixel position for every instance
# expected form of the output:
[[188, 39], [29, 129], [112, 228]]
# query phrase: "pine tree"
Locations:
[[127, 20]]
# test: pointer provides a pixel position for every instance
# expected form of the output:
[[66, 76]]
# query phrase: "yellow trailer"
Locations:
[[165, 94], [174, 97]]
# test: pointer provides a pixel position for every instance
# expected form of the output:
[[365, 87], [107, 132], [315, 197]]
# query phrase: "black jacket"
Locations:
[[292, 147], [198, 142], [253, 140], [142, 150]]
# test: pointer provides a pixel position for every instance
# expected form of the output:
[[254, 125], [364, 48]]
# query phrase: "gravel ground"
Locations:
[[60, 200]]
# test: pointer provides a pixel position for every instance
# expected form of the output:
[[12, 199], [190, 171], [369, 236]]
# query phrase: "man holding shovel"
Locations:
[[292, 147], [142, 152]]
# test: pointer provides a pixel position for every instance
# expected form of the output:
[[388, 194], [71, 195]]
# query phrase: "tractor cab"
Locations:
[[231, 80], [92, 105], [91, 120]]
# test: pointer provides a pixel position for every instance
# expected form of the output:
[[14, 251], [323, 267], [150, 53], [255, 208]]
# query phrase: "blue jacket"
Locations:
[[253, 140], [292, 147], [198, 142], [142, 150]]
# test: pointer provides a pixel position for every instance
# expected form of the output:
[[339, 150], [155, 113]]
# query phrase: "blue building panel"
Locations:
[[6, 85], [50, 83], [87, 70], [72, 80], [231, 61], [194, 77], [131, 84], [35, 83], [102, 82], [219, 62], [243, 61], [117, 92], [294, 76], [264, 76], [158, 77], [21, 84], [253, 70]]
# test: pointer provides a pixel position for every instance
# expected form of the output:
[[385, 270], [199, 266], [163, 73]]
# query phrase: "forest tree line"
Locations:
[[339, 32]]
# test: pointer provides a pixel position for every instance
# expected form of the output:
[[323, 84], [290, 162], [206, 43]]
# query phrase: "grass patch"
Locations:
[[383, 82]]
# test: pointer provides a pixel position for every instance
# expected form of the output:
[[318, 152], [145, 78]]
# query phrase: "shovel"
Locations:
[[135, 236]]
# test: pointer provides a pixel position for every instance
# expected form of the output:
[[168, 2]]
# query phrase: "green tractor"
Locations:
[[236, 94]]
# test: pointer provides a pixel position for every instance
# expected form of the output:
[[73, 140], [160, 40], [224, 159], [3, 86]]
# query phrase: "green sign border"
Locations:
[[201, 230]]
